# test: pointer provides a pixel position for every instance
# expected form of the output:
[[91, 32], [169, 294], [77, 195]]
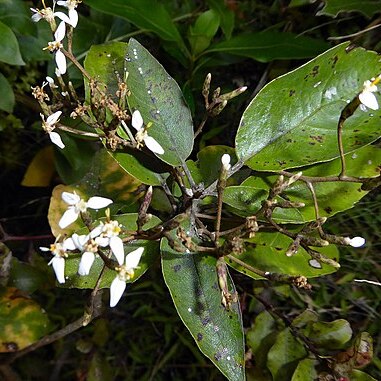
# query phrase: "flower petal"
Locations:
[[369, 100], [70, 198], [69, 243], [68, 218], [116, 245], [79, 241], [73, 15], [137, 120], [96, 231], [153, 145], [116, 291], [102, 241], [55, 138], [52, 119], [61, 61], [59, 34], [97, 202], [64, 18], [44, 248], [133, 258], [86, 262], [58, 264]]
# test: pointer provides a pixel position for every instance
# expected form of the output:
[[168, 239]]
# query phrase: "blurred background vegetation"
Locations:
[[147, 341]]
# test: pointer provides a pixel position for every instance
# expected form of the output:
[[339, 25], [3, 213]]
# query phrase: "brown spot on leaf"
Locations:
[[199, 336], [176, 268], [291, 93], [315, 71], [328, 209]]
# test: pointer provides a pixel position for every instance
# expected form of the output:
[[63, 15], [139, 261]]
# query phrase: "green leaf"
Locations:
[[145, 14], [159, 99], [202, 32], [102, 63], [226, 16], [207, 168], [334, 7], [358, 375], [260, 338], [330, 335], [305, 371], [193, 284], [22, 320], [283, 356], [9, 47], [7, 97], [17, 15], [267, 252], [151, 252], [138, 164], [270, 45], [293, 120], [332, 197], [105, 63]]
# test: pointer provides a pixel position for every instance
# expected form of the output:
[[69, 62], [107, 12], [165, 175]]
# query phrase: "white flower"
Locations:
[[125, 273], [88, 247], [225, 160], [58, 261], [45, 13], [55, 47], [367, 98], [78, 205], [356, 241], [49, 125], [71, 5], [108, 235], [142, 134]]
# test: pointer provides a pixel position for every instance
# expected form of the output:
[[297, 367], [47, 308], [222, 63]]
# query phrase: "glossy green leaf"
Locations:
[[102, 63], [159, 99], [151, 252], [203, 30], [332, 197], [193, 284], [282, 357], [139, 165], [207, 168], [293, 120], [267, 252], [270, 45], [105, 64], [7, 98], [9, 47], [226, 16], [334, 7], [330, 335], [22, 320], [145, 14], [305, 371]]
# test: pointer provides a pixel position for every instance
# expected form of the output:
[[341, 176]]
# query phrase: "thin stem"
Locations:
[[247, 267]]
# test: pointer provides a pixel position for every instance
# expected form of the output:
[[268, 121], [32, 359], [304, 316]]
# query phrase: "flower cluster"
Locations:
[[59, 32], [104, 235]]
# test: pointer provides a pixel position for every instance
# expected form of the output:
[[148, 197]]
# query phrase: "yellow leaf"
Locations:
[[41, 169]]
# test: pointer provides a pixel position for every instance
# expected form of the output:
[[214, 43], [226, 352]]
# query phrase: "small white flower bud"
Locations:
[[225, 160], [357, 241]]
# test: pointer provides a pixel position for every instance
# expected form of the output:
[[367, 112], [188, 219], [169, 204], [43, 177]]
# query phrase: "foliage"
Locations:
[[149, 171]]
